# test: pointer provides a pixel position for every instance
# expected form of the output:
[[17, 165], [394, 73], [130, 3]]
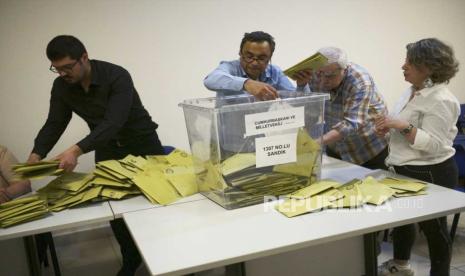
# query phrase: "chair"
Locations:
[[459, 145], [461, 120], [168, 149]]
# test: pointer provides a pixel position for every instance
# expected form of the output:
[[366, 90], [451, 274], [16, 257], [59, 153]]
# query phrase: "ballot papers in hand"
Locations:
[[37, 170], [311, 63]]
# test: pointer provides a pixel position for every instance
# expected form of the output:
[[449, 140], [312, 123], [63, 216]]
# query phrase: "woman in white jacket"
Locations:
[[421, 137]]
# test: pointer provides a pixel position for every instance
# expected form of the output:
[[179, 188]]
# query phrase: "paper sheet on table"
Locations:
[[157, 187], [24, 218], [135, 161], [294, 207], [116, 169], [375, 192], [102, 181], [353, 196], [183, 179], [313, 189], [88, 195], [403, 184], [118, 193]]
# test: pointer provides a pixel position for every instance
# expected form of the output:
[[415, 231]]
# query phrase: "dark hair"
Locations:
[[434, 55], [258, 36], [65, 46]]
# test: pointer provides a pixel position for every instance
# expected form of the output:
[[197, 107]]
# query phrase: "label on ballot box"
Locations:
[[271, 121], [274, 150]]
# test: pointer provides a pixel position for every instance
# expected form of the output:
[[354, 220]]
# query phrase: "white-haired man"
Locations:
[[350, 114]]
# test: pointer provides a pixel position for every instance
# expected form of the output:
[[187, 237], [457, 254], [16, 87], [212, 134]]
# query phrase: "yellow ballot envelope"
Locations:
[[375, 192], [308, 151], [313, 189], [183, 179], [313, 62], [403, 184], [180, 158], [293, 207], [237, 163]]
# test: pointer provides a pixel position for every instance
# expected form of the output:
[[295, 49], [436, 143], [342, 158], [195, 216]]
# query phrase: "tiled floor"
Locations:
[[420, 256], [95, 252]]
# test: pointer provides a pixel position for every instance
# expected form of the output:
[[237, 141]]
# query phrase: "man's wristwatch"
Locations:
[[407, 130]]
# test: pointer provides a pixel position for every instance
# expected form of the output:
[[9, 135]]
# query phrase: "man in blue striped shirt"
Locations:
[[253, 73], [351, 111]]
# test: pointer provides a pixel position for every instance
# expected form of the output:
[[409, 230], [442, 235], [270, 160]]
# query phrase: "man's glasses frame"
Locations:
[[330, 75], [65, 68], [251, 58]]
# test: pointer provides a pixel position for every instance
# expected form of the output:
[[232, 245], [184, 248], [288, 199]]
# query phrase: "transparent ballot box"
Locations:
[[246, 150]]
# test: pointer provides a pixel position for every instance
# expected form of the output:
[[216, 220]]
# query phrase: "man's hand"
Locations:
[[33, 158], [260, 90], [331, 137], [303, 77], [68, 158], [381, 128]]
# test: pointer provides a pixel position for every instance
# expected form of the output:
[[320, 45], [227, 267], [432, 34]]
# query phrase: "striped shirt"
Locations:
[[352, 110]]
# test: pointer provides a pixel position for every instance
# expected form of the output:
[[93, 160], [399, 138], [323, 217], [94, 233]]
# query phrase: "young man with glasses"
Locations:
[[253, 72], [351, 112], [104, 95]]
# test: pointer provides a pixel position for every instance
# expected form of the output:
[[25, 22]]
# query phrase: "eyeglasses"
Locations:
[[329, 75], [251, 58], [65, 68]]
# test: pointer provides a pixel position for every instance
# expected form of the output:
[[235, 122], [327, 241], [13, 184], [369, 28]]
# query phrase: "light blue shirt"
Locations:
[[228, 80], [229, 77]]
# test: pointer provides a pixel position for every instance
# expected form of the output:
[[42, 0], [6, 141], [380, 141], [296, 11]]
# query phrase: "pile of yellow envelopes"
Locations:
[[36, 170], [331, 194], [162, 179], [22, 210], [236, 182]]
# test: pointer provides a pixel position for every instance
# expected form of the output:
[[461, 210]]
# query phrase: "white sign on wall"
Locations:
[[271, 121], [274, 150]]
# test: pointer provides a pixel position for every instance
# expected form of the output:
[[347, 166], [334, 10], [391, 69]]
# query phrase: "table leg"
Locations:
[[371, 256], [32, 257], [237, 269]]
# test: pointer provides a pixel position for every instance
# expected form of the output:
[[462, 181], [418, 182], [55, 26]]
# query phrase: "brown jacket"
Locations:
[[7, 159]]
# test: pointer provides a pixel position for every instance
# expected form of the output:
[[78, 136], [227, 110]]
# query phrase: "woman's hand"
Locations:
[[384, 123]]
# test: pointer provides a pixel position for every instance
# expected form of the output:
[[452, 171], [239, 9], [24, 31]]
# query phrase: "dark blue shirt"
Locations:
[[111, 108]]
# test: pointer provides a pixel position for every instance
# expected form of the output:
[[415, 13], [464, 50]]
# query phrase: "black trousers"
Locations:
[[439, 242], [147, 145], [376, 162]]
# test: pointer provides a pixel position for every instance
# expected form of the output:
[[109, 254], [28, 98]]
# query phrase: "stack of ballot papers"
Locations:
[[36, 170], [69, 190], [405, 187], [161, 179], [236, 182], [355, 193], [22, 210], [311, 63]]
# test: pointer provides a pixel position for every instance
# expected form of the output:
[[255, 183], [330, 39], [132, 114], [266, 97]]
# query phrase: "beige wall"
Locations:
[[169, 46]]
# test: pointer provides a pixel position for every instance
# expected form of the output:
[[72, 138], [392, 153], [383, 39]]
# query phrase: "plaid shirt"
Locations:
[[352, 110]]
